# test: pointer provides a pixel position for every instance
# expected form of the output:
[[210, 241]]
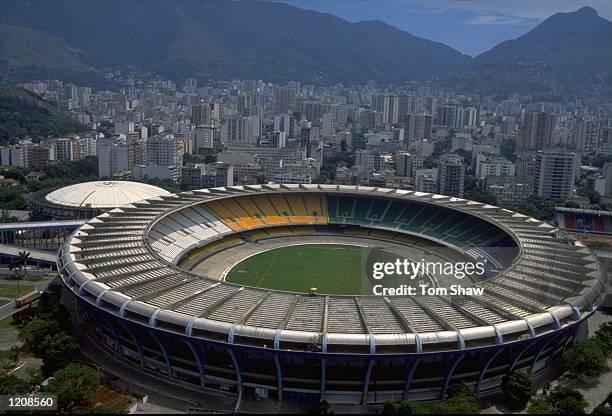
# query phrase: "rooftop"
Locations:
[[104, 194]]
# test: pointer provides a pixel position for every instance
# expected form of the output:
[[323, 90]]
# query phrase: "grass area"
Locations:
[[28, 278], [11, 291], [331, 268], [6, 322]]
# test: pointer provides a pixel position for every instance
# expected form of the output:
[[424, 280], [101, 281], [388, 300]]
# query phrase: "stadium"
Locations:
[[89, 199], [254, 289]]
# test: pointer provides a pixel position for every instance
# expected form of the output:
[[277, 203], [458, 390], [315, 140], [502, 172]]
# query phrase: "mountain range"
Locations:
[[567, 55]]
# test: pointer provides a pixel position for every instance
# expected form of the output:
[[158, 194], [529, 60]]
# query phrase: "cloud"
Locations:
[[526, 9], [426, 11], [496, 20]]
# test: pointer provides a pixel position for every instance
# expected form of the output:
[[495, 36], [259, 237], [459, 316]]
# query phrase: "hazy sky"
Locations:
[[470, 26]]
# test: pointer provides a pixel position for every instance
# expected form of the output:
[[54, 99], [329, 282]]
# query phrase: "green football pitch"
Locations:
[[331, 268]]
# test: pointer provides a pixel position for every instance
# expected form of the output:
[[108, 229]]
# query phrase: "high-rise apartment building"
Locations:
[[537, 131], [430, 106], [403, 165], [451, 115], [201, 114], [418, 127], [205, 140], [282, 123], [554, 174], [394, 108], [285, 98], [490, 165], [451, 175], [327, 125], [165, 151], [240, 130], [117, 157], [586, 135], [224, 174]]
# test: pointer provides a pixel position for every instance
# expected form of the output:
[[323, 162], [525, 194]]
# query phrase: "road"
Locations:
[[9, 308]]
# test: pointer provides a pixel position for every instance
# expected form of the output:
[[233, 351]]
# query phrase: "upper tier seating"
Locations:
[[454, 227], [254, 211]]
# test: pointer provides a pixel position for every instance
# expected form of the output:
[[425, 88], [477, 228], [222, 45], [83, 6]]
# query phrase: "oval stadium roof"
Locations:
[[104, 194]]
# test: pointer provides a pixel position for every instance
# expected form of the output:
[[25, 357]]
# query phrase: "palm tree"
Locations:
[[16, 265], [24, 256], [6, 217]]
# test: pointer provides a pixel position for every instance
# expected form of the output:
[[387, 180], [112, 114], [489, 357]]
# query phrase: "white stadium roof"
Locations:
[[104, 194]]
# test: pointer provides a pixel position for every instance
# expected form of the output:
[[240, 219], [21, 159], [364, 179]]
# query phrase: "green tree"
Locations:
[[35, 376], [540, 406], [210, 158], [24, 257], [5, 217], [429, 162], [567, 400], [74, 169], [604, 335], [517, 389], [594, 196], [559, 400], [11, 384], [35, 331], [57, 351], [408, 407], [14, 353], [16, 266], [441, 147], [539, 208], [11, 198], [481, 195], [74, 384], [571, 204], [461, 400], [587, 358]]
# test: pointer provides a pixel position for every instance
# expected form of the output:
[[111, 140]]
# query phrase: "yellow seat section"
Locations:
[[317, 207], [301, 211], [280, 204], [250, 207], [234, 215], [270, 214], [228, 217], [245, 212], [296, 203]]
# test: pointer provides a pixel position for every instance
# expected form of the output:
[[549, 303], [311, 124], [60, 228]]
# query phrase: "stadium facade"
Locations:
[[123, 275]]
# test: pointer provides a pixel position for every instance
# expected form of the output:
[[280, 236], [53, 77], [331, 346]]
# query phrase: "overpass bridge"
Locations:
[[42, 235]]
